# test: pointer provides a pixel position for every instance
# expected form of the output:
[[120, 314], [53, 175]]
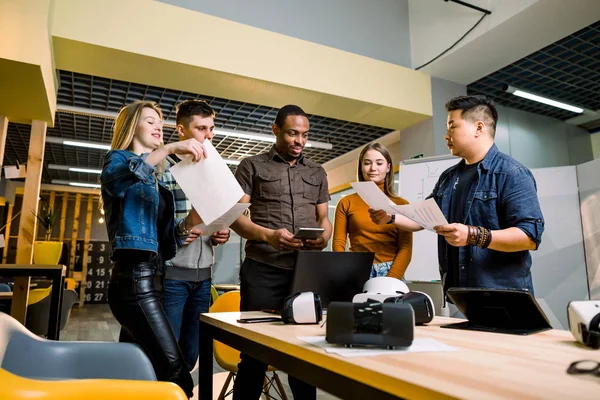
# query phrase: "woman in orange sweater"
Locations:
[[392, 246]]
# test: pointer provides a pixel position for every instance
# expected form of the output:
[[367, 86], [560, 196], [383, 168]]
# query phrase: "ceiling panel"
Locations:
[[102, 94], [567, 71]]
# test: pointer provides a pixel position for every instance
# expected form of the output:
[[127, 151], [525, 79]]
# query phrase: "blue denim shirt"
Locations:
[[130, 195], [504, 196]]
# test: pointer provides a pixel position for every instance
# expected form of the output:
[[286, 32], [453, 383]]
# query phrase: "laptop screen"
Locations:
[[335, 276]]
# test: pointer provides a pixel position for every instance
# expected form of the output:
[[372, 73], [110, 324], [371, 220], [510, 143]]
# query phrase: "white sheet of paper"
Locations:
[[225, 220], [425, 213], [420, 345], [209, 184], [2, 244], [374, 197]]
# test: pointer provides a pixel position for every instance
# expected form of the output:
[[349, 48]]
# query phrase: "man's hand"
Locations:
[[195, 233], [282, 239], [380, 217], [220, 237], [315, 244], [456, 234]]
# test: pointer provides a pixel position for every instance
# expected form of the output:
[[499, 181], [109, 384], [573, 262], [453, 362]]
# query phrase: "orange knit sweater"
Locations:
[[386, 241]]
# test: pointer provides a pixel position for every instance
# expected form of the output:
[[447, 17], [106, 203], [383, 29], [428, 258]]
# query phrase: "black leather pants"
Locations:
[[134, 296]]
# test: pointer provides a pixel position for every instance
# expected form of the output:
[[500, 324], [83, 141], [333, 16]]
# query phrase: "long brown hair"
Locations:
[[388, 187]]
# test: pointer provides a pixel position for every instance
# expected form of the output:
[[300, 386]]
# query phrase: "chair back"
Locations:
[[38, 313], [227, 357]]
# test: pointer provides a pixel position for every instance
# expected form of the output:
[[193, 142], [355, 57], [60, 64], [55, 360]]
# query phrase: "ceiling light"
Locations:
[[541, 99], [78, 184], [101, 220], [77, 143], [75, 169]]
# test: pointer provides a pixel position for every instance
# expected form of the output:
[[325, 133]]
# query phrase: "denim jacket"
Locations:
[[130, 195], [504, 196]]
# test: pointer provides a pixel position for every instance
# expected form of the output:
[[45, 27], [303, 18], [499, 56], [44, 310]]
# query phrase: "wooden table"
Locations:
[[485, 365], [54, 272]]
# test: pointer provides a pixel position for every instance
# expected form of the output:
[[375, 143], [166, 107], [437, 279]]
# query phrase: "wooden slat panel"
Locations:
[[27, 222], [63, 216], [74, 233], [88, 229], [7, 232]]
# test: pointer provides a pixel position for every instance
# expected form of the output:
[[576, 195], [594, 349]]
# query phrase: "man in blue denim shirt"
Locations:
[[490, 201]]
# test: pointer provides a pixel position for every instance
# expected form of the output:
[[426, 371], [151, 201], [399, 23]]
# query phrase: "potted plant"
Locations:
[[46, 251]]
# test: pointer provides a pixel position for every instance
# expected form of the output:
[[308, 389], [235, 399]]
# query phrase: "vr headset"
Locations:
[[584, 322], [302, 308], [391, 290]]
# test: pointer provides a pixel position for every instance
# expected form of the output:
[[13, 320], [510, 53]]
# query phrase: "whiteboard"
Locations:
[[416, 181]]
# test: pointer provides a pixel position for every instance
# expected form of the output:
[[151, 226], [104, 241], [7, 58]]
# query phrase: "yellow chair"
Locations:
[[213, 294], [37, 295], [228, 358], [18, 388], [70, 283]]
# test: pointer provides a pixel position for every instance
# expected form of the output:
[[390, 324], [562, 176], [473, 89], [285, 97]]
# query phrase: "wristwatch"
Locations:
[[391, 221], [182, 229]]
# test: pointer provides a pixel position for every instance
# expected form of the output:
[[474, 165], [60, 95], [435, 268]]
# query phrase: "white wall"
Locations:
[[435, 25], [539, 142], [595, 144], [378, 29]]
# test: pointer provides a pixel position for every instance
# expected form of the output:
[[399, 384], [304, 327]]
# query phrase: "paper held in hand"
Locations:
[[225, 220], [209, 184], [425, 213]]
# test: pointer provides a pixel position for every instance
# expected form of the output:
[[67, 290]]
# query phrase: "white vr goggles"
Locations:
[[584, 322]]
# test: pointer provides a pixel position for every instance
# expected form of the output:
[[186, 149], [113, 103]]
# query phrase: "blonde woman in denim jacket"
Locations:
[[144, 233]]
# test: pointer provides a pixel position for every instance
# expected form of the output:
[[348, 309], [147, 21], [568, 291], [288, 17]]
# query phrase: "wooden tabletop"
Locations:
[[486, 365]]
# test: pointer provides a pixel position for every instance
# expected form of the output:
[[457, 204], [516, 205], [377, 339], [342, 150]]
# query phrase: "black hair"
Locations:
[[286, 111], [476, 108], [189, 108]]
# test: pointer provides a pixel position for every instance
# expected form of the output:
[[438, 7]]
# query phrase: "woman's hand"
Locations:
[[189, 146]]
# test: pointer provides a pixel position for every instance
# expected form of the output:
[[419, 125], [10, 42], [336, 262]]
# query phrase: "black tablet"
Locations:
[[309, 233], [498, 310]]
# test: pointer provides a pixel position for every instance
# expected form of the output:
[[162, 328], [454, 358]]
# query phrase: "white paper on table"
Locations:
[[425, 213], [374, 197], [208, 184], [419, 345], [225, 220]]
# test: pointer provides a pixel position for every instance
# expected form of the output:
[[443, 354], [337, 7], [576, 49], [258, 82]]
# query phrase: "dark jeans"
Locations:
[[263, 286], [183, 302], [134, 297]]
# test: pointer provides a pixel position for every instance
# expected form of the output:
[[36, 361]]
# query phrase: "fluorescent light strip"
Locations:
[[75, 169], [78, 184], [171, 123], [543, 100]]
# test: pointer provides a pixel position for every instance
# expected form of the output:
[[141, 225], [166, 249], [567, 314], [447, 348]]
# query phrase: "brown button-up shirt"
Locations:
[[282, 196]]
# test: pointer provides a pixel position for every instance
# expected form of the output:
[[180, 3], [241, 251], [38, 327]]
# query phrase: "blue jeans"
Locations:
[[183, 302]]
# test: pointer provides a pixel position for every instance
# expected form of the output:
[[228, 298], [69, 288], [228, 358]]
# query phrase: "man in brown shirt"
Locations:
[[287, 192]]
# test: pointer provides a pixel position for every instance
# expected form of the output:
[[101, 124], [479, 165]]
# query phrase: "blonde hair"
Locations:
[[388, 187], [126, 124]]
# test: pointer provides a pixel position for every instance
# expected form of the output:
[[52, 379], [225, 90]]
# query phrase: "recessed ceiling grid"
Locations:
[[567, 71], [102, 94]]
